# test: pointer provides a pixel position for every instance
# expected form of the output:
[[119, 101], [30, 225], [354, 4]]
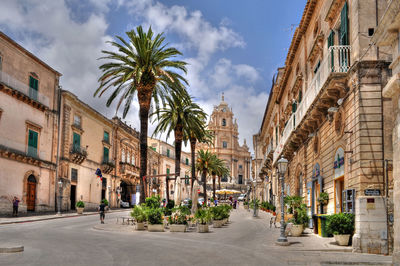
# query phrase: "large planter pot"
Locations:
[[79, 210], [225, 221], [342, 240], [177, 228], [296, 230], [139, 226], [202, 228], [246, 207], [218, 223], [155, 228]]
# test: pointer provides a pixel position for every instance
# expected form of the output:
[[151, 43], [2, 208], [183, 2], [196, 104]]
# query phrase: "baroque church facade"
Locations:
[[226, 145]]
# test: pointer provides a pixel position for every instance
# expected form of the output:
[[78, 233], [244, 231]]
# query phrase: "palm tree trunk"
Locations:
[[214, 186], [193, 155], [219, 182], [144, 115], [178, 149], [204, 177]]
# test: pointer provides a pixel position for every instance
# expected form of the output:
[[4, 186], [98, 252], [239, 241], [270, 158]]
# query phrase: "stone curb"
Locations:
[[356, 262], [54, 217], [12, 249]]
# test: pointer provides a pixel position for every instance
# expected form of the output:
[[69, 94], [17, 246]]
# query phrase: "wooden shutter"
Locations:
[[105, 154], [32, 143], [344, 26], [77, 140]]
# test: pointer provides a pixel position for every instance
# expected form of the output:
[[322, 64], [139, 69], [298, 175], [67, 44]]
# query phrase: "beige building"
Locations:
[[387, 37], [167, 165], [85, 146], [226, 146], [326, 115], [28, 129]]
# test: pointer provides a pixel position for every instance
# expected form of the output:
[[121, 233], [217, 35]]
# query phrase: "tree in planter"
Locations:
[[142, 66], [153, 202], [138, 212], [154, 215], [323, 198], [80, 204], [203, 216], [340, 224]]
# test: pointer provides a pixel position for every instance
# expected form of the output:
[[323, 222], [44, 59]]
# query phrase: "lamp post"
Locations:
[[254, 198], [282, 168], [60, 185]]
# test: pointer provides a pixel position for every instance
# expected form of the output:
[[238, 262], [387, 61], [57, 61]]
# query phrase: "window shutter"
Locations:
[[105, 154], [77, 140], [344, 25], [33, 139]]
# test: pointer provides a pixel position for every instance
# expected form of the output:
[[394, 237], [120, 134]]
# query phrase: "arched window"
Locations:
[[128, 157], [32, 179], [223, 122], [133, 161], [123, 155]]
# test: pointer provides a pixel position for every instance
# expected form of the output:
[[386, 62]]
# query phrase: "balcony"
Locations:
[[107, 165], [77, 154], [327, 86], [128, 169], [21, 152], [24, 92]]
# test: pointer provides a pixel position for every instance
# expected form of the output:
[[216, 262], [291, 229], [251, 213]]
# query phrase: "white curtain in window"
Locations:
[[123, 155], [128, 157], [133, 159]]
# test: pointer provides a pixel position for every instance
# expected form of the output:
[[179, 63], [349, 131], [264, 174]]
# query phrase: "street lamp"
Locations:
[[282, 168], [60, 185], [254, 197]]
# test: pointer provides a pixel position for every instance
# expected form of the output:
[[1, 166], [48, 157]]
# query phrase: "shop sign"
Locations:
[[372, 192], [338, 163]]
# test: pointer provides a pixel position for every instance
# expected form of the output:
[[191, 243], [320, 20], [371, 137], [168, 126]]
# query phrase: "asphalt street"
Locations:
[[75, 241]]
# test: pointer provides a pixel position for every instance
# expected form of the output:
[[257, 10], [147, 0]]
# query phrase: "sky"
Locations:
[[231, 46]]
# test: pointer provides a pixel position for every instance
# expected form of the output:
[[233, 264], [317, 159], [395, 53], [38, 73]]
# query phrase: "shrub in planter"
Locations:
[[153, 202], [218, 213], [300, 220], [341, 225], [138, 212], [80, 205], [323, 198], [246, 204], [203, 217], [154, 217], [179, 219]]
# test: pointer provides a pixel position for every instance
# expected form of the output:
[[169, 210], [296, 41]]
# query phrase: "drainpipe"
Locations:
[[58, 149]]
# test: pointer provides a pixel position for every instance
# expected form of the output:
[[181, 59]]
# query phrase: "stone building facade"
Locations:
[[387, 37], [226, 146], [326, 115], [28, 129], [167, 165]]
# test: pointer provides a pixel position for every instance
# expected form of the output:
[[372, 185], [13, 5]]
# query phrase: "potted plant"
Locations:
[[246, 205], [154, 217], [299, 220], [203, 217], [179, 218], [139, 214], [323, 198], [255, 204], [218, 215], [226, 213], [341, 225], [80, 205]]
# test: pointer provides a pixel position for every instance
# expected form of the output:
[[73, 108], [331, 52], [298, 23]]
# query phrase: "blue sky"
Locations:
[[231, 46]]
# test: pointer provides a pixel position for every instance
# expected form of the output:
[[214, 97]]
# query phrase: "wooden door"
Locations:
[[30, 202]]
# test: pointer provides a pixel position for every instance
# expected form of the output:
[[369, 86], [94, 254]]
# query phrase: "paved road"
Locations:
[[74, 241]]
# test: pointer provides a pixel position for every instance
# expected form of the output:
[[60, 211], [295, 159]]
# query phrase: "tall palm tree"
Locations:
[[143, 65], [204, 164], [218, 169], [179, 115], [202, 136]]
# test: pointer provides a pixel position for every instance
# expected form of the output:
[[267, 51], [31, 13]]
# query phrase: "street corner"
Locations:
[[9, 247]]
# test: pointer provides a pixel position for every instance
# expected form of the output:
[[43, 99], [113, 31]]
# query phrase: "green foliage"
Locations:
[[190, 204], [323, 197], [153, 202], [245, 202], [340, 224], [154, 215], [218, 212], [300, 215], [138, 212], [179, 215], [257, 204], [105, 202], [80, 204], [170, 204], [203, 216]]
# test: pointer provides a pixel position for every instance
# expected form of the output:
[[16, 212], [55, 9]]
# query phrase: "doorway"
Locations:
[[73, 197], [339, 187], [31, 195]]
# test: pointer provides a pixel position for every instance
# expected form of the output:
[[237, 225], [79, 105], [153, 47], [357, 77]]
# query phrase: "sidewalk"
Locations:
[[35, 218]]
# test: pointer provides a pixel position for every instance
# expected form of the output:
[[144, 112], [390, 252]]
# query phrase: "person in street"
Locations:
[[15, 206], [234, 203], [102, 209], [209, 203], [215, 202]]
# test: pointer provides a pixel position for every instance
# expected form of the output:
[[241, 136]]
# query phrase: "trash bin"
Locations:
[[315, 223], [322, 229]]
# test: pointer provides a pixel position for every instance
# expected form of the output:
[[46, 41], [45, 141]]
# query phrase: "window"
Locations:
[[76, 141], [344, 26], [33, 88], [168, 152], [128, 157], [187, 161], [77, 120], [224, 144], [276, 136], [105, 154], [167, 172], [187, 180], [106, 137], [32, 143], [123, 155], [74, 175], [223, 122], [240, 166], [240, 181], [133, 161]]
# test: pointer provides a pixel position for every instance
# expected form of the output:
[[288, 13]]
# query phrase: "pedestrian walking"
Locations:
[[15, 206], [215, 202], [234, 203], [102, 209]]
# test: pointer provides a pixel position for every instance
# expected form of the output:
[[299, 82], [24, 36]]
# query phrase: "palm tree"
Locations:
[[204, 165], [180, 115], [141, 65], [218, 169]]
